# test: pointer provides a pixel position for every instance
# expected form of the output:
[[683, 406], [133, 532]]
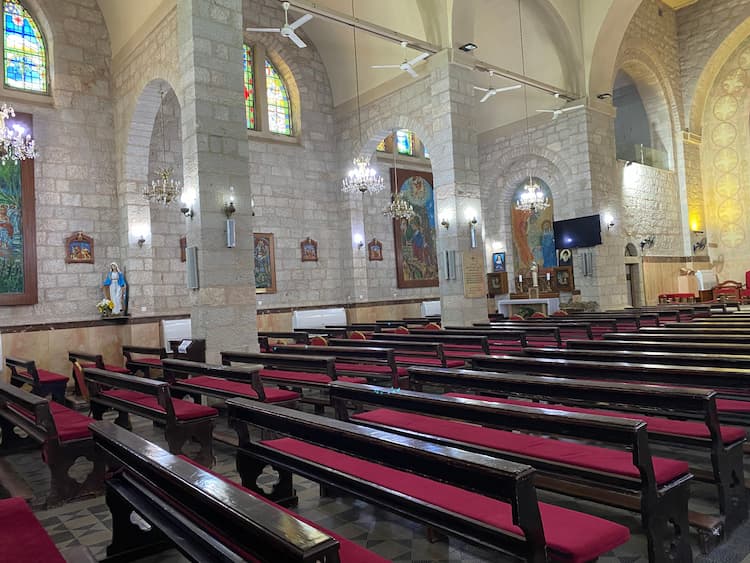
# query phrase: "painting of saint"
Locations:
[[533, 236], [264, 263], [79, 249], [416, 237], [309, 249], [374, 250]]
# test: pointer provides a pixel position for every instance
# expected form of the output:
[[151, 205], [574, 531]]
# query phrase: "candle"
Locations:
[[520, 278], [547, 276]]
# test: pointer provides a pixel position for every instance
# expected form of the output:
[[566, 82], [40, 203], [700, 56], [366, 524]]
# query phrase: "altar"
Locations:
[[510, 307]]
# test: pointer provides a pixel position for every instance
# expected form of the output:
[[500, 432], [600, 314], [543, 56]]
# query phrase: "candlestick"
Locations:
[[548, 278], [520, 278]]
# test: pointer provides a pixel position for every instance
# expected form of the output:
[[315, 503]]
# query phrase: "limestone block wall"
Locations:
[[75, 171]]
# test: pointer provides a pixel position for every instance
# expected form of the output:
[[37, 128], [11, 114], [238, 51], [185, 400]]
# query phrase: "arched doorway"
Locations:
[[633, 278]]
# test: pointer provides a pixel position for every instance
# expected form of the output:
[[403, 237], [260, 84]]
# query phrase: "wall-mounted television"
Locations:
[[578, 233]]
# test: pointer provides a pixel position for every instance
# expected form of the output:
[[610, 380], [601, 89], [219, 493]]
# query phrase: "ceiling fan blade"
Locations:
[[385, 66], [411, 71], [264, 29], [508, 88], [297, 41], [480, 88], [304, 19], [572, 108], [487, 96], [418, 58]]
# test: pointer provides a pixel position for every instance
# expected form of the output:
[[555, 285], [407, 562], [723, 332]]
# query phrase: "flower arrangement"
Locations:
[[105, 307]]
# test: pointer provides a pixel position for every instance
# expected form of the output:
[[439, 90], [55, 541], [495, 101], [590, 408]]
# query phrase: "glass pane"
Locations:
[[381, 146], [405, 142], [25, 54], [249, 88], [279, 110]]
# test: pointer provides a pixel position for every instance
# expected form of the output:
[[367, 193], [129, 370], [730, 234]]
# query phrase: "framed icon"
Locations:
[[498, 261]]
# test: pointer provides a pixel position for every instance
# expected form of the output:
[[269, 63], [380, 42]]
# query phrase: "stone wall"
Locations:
[[75, 172]]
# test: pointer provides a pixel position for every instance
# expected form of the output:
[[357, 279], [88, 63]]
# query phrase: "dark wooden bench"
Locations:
[[42, 382], [143, 358], [679, 337], [690, 328], [406, 353], [481, 499], [222, 382], [373, 364], [265, 338], [63, 434], [24, 539], [628, 477], [82, 360], [657, 345], [456, 346], [567, 329], [182, 420], [722, 446], [539, 334], [203, 515]]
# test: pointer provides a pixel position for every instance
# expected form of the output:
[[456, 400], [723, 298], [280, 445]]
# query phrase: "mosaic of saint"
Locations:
[[11, 234], [533, 237]]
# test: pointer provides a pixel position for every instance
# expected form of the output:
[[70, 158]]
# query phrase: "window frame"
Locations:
[[21, 93]]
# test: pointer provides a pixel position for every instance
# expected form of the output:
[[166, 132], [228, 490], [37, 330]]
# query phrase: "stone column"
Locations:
[[454, 152], [215, 156]]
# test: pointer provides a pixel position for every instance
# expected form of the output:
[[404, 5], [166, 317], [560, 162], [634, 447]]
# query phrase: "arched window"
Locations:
[[266, 88], [407, 144], [24, 52]]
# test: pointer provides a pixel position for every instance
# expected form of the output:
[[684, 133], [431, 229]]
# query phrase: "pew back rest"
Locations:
[[128, 352], [431, 348], [38, 423], [367, 354], [16, 364], [438, 336], [297, 336], [242, 523], [323, 363], [503, 480], [99, 381]]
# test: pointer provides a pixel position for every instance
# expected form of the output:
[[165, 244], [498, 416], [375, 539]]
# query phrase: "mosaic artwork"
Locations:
[[264, 262], [533, 237], [416, 250], [25, 53], [11, 234]]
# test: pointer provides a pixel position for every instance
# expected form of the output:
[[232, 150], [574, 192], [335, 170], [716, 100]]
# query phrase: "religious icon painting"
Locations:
[[264, 263], [565, 257], [183, 249], [309, 250], [374, 250], [497, 283], [79, 249], [564, 278], [498, 262], [18, 281], [416, 237], [533, 235]]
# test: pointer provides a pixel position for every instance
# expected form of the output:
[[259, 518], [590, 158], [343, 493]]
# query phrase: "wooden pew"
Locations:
[[182, 420], [406, 353], [43, 382], [371, 363], [297, 337], [568, 328], [545, 333], [469, 495], [222, 382], [690, 328], [63, 434], [679, 337], [203, 515], [147, 358], [457, 346], [654, 344], [82, 360], [721, 445], [562, 465], [731, 383]]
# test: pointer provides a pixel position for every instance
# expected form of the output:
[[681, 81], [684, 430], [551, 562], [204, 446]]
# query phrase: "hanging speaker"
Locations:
[[191, 253]]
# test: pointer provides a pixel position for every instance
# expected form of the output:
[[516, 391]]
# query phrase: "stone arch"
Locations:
[[711, 72], [631, 249], [381, 127]]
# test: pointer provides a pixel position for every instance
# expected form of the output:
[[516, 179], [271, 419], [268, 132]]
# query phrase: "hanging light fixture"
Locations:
[[398, 208], [14, 144], [165, 188], [533, 198], [362, 178]]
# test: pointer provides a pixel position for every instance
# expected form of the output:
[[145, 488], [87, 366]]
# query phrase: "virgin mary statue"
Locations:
[[115, 288]]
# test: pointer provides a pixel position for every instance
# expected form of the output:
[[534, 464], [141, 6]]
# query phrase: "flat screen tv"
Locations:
[[578, 233]]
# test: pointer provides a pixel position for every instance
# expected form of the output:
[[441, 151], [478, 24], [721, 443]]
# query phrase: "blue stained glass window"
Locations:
[[279, 107], [25, 55], [405, 142]]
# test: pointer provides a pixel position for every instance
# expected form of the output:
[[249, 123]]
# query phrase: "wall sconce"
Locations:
[[610, 221], [473, 232], [445, 223], [648, 242], [359, 241], [141, 241], [229, 208], [252, 206], [187, 199]]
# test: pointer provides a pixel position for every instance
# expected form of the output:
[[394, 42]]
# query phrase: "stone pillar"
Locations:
[[215, 156], [454, 152]]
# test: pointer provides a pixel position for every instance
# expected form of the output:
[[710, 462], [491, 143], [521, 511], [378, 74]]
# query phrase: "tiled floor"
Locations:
[[88, 522]]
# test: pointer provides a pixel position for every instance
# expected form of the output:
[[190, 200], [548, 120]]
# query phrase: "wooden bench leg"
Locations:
[[11, 442], [62, 486], [250, 469], [667, 528], [201, 432], [729, 474]]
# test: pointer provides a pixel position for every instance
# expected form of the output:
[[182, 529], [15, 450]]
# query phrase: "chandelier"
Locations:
[[165, 188], [399, 208], [362, 178], [533, 198], [14, 145]]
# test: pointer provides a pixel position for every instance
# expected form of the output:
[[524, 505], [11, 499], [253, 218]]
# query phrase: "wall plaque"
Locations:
[[474, 275]]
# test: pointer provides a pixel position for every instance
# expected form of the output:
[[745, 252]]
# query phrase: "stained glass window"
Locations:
[[249, 88], [25, 53], [381, 146], [405, 142], [279, 110]]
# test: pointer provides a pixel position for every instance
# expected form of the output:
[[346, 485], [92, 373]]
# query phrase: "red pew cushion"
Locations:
[[46, 376], [572, 536], [22, 536], [70, 424], [306, 377], [183, 410], [732, 405], [370, 368], [595, 458], [273, 395], [427, 361], [349, 552], [729, 434], [116, 369]]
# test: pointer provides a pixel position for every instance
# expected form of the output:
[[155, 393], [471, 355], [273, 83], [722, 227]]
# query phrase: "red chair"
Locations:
[[538, 315], [402, 330], [318, 341], [357, 335], [432, 326], [517, 318], [560, 313]]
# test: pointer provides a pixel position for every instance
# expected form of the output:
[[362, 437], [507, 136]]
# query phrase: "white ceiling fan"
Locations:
[[287, 30], [406, 65], [558, 112], [490, 91]]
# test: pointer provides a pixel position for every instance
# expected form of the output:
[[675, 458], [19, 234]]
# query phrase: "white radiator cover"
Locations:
[[430, 308], [318, 318]]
